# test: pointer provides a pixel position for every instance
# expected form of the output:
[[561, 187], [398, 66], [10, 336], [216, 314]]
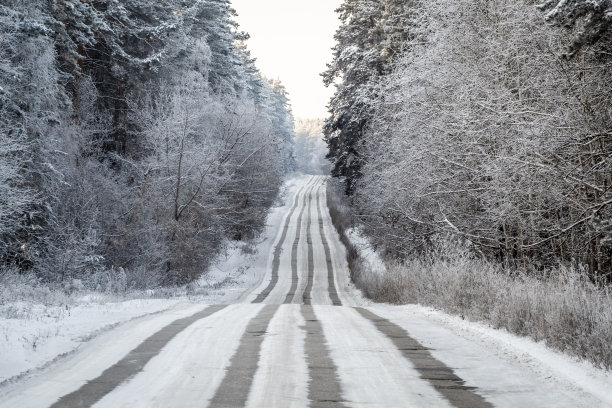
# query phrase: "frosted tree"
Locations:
[[591, 19], [214, 21], [371, 35], [209, 176], [310, 148], [253, 82], [14, 198], [281, 120], [30, 102], [136, 138], [483, 133]]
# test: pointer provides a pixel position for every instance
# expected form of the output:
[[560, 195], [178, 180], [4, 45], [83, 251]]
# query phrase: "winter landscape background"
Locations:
[[145, 160]]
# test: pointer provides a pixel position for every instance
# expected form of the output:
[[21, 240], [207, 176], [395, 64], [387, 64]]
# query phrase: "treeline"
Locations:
[[310, 148], [489, 122], [136, 137]]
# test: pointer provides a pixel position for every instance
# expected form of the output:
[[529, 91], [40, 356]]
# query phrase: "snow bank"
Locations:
[[372, 259]]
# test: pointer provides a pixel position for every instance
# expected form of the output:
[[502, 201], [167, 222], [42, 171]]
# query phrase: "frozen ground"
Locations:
[[511, 371], [288, 329], [33, 335], [442, 332]]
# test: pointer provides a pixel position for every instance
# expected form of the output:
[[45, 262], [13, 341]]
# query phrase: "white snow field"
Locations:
[[290, 330]]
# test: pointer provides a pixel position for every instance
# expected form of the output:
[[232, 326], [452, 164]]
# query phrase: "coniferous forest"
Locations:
[[136, 137]]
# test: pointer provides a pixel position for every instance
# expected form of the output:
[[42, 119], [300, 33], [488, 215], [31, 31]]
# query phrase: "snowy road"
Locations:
[[302, 337]]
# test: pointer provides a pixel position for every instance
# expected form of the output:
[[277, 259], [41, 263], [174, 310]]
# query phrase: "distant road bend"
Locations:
[[303, 338]]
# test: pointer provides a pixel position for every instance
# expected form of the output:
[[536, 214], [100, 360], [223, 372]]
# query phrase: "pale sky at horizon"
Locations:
[[292, 40]]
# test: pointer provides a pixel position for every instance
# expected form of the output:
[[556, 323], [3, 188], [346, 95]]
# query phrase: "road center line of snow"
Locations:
[[278, 249], [333, 293], [307, 296], [131, 364], [440, 376], [324, 389], [294, 250], [236, 385]]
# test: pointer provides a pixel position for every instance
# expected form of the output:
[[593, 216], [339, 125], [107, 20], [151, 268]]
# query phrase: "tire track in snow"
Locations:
[[333, 293], [440, 376], [307, 296], [131, 364], [236, 385], [324, 389], [279, 248], [281, 379], [294, 249]]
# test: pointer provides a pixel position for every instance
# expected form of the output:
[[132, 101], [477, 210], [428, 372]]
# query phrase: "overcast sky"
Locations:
[[292, 40]]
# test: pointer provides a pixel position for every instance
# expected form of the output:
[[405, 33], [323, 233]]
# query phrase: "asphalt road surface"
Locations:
[[302, 337]]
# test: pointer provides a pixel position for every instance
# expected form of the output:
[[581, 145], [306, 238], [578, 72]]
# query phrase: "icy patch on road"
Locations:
[[188, 370], [373, 372], [282, 351]]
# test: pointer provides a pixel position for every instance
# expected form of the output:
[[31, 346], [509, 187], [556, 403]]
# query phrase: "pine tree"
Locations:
[[593, 17], [214, 21], [253, 81], [279, 114], [371, 35], [31, 105]]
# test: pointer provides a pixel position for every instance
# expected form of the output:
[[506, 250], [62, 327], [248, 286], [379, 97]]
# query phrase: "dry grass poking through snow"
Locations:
[[563, 308]]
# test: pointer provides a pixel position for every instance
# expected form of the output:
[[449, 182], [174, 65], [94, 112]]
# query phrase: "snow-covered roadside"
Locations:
[[34, 335], [366, 251], [452, 340], [475, 350], [243, 268], [88, 361]]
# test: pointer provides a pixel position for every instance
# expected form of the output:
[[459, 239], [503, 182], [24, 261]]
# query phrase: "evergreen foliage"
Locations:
[[372, 34], [592, 20]]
